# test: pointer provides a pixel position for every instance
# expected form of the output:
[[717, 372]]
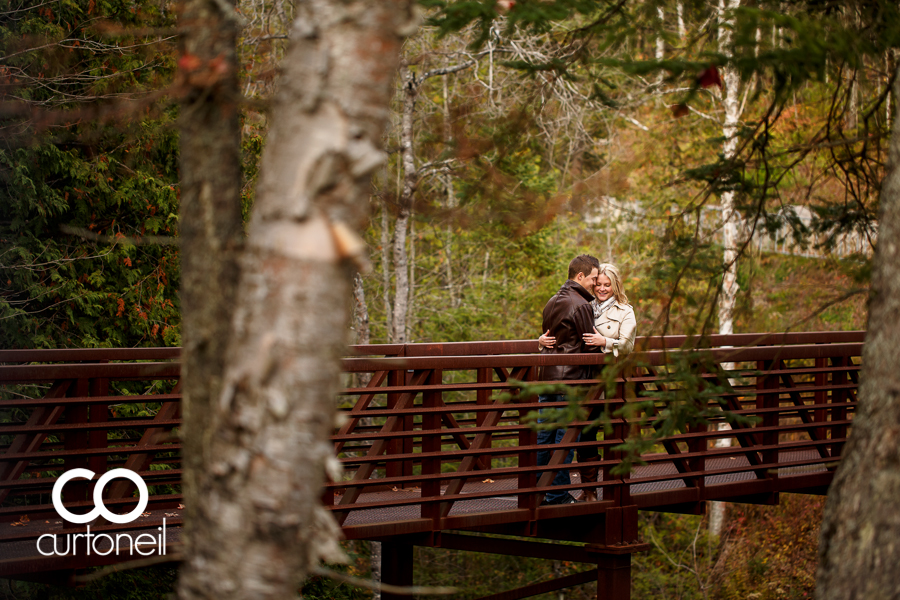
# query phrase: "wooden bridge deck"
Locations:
[[437, 438]]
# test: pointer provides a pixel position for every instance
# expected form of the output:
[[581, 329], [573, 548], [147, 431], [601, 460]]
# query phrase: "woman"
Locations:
[[614, 329]]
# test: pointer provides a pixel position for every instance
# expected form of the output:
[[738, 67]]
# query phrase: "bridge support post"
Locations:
[[396, 568], [614, 577]]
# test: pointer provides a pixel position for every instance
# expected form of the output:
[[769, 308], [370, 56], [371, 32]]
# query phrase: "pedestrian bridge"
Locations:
[[438, 448]]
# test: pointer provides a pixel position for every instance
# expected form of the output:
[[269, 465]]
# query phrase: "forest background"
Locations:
[[517, 142]]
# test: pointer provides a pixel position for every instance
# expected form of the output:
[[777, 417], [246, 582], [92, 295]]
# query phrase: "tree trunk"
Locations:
[[262, 524], [852, 120], [451, 200], [401, 278], [361, 323], [731, 81], [728, 294], [386, 270], [210, 230], [361, 326], [411, 307], [410, 179], [361, 311], [858, 547], [660, 41]]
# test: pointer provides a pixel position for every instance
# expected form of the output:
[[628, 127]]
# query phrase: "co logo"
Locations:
[[99, 507]]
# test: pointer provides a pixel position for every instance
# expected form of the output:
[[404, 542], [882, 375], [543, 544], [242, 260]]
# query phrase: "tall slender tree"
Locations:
[[211, 230], [262, 525], [858, 544]]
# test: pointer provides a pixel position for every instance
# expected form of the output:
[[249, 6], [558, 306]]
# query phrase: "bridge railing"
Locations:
[[97, 409], [437, 436]]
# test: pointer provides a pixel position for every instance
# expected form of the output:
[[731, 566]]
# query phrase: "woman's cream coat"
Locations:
[[617, 324]]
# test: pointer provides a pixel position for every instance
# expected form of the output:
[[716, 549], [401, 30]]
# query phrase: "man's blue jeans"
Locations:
[[549, 437]]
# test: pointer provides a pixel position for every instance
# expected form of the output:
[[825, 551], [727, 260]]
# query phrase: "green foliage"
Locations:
[[682, 560], [692, 392], [75, 195]]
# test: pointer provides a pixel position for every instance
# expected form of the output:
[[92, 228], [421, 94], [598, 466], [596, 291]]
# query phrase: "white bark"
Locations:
[[660, 42], [361, 322], [386, 269], [269, 430], [410, 91], [887, 99], [403, 267], [401, 279], [375, 562], [731, 83], [411, 309], [853, 111], [451, 201], [730, 235], [361, 311]]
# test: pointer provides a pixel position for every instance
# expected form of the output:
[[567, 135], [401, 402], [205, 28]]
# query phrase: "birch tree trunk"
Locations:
[[401, 278], [403, 265], [386, 269], [731, 81], [411, 305], [361, 326], [210, 228], [451, 199], [361, 323], [410, 179], [660, 41], [858, 543], [262, 525]]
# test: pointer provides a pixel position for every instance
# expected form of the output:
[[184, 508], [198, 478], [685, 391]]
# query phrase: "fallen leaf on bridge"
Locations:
[[488, 481], [181, 507]]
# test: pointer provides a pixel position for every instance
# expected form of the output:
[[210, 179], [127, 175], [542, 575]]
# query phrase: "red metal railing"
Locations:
[[436, 435], [435, 439], [86, 409]]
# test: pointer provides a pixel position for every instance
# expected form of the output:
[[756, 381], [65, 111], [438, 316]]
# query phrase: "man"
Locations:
[[568, 316]]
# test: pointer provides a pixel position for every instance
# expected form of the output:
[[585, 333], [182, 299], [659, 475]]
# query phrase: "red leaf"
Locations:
[[709, 77], [189, 62], [680, 110]]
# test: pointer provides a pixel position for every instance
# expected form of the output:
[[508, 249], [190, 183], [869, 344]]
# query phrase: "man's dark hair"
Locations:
[[583, 263]]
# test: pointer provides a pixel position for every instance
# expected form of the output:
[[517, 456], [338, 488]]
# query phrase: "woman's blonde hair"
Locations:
[[612, 272]]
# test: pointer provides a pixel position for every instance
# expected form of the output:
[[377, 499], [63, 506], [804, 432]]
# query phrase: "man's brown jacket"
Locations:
[[568, 316]]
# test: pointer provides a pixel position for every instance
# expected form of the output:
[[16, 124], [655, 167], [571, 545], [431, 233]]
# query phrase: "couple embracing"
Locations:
[[589, 313]]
